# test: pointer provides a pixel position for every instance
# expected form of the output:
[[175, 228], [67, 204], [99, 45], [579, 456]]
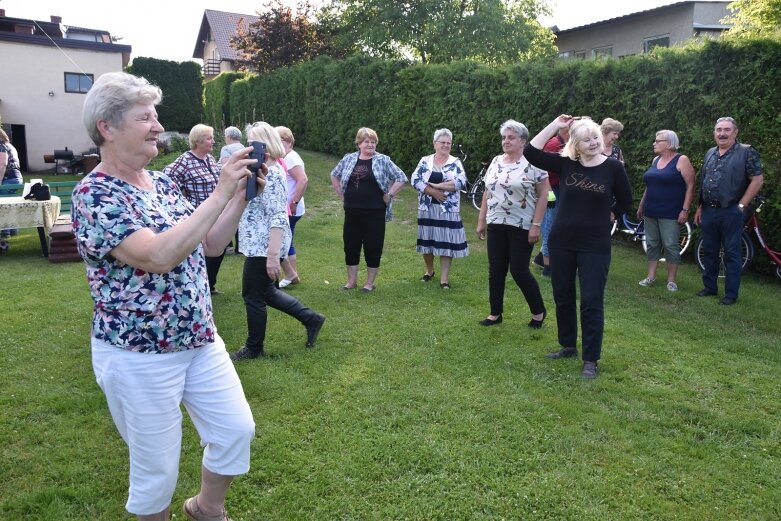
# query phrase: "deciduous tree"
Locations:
[[754, 17], [282, 36], [441, 31]]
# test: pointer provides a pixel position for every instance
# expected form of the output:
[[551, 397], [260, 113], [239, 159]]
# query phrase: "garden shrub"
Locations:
[[683, 89]]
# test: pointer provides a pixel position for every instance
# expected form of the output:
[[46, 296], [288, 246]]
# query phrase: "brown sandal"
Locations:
[[194, 513]]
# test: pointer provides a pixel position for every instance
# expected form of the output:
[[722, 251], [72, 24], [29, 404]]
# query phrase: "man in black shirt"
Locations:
[[731, 177]]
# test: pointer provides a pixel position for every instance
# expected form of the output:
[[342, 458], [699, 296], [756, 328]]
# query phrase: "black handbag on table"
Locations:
[[39, 192]]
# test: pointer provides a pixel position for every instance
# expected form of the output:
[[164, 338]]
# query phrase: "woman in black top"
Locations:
[[593, 190]]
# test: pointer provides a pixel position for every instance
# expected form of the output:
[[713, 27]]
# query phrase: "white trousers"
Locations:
[[145, 392]]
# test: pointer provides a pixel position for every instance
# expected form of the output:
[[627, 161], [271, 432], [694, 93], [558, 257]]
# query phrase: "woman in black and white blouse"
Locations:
[[264, 238]]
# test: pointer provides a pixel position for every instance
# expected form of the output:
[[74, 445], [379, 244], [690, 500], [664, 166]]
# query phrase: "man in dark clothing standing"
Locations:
[[731, 177]]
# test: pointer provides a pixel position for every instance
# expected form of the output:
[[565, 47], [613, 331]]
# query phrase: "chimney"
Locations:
[[56, 19], [2, 13], [24, 28]]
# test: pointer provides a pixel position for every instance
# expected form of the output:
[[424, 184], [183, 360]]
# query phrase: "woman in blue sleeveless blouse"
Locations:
[[665, 205]]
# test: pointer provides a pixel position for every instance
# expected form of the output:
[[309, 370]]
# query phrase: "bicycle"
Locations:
[[474, 189], [746, 244], [636, 230]]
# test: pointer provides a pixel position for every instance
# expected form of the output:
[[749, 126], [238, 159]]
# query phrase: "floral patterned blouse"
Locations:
[[268, 210], [136, 310], [452, 170], [512, 192]]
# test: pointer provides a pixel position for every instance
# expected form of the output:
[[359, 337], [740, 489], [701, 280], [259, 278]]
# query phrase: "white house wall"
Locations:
[[30, 73], [627, 36]]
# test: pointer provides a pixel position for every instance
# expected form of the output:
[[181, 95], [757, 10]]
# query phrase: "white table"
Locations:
[[18, 212]]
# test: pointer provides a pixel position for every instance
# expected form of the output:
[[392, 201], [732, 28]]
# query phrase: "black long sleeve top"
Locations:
[[587, 195]]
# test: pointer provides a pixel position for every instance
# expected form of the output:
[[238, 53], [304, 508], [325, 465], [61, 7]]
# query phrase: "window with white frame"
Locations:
[[656, 41], [602, 52]]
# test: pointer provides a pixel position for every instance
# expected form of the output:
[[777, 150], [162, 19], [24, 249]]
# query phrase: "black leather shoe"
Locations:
[[245, 353], [537, 324], [313, 329], [705, 293], [564, 352], [489, 322], [727, 301], [590, 370], [539, 261]]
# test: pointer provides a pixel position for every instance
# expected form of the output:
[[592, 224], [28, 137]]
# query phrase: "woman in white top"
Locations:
[[296, 186], [510, 218]]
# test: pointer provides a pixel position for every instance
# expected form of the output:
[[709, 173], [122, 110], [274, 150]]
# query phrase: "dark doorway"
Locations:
[[18, 139]]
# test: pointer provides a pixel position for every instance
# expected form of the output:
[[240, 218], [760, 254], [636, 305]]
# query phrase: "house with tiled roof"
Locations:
[[48, 67], [640, 32], [213, 43]]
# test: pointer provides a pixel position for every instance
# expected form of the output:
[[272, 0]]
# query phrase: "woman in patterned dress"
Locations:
[[611, 131], [439, 178], [154, 342], [510, 219]]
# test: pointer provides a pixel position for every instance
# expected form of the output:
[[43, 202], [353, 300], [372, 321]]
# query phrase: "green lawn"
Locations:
[[410, 410]]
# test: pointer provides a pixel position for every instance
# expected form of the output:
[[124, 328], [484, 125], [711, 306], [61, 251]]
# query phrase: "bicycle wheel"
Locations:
[[746, 251], [476, 192], [684, 239]]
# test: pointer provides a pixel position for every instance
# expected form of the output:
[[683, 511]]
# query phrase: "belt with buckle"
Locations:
[[712, 204]]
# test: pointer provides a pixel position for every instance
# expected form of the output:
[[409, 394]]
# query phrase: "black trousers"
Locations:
[[508, 247], [591, 270], [213, 268], [363, 228], [259, 291]]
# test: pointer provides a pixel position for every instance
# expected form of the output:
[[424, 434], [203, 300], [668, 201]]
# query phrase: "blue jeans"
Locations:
[[722, 227], [547, 223], [10, 181]]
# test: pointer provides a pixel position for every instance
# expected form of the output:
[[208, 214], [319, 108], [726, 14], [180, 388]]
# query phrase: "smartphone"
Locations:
[[259, 155]]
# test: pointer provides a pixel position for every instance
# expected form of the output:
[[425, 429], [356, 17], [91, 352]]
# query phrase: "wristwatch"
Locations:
[[741, 206]]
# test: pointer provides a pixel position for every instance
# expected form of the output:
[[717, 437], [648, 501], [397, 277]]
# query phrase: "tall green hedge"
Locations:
[[682, 89], [181, 84], [216, 96]]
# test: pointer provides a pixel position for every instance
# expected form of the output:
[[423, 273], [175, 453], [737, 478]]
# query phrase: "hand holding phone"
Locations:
[[259, 155]]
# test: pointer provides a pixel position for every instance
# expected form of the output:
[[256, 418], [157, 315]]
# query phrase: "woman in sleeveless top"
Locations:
[[665, 205]]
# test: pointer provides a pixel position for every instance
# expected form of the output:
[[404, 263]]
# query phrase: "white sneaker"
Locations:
[[285, 283], [647, 282], [672, 286]]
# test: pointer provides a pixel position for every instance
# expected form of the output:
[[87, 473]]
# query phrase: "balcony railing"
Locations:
[[211, 67]]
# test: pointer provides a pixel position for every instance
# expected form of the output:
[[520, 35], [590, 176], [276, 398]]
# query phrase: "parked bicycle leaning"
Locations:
[[746, 244], [665, 206]]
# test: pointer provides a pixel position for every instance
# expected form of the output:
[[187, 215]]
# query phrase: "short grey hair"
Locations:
[[611, 125], [443, 132], [111, 96], [198, 134], [233, 133], [671, 137], [519, 128], [729, 119]]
